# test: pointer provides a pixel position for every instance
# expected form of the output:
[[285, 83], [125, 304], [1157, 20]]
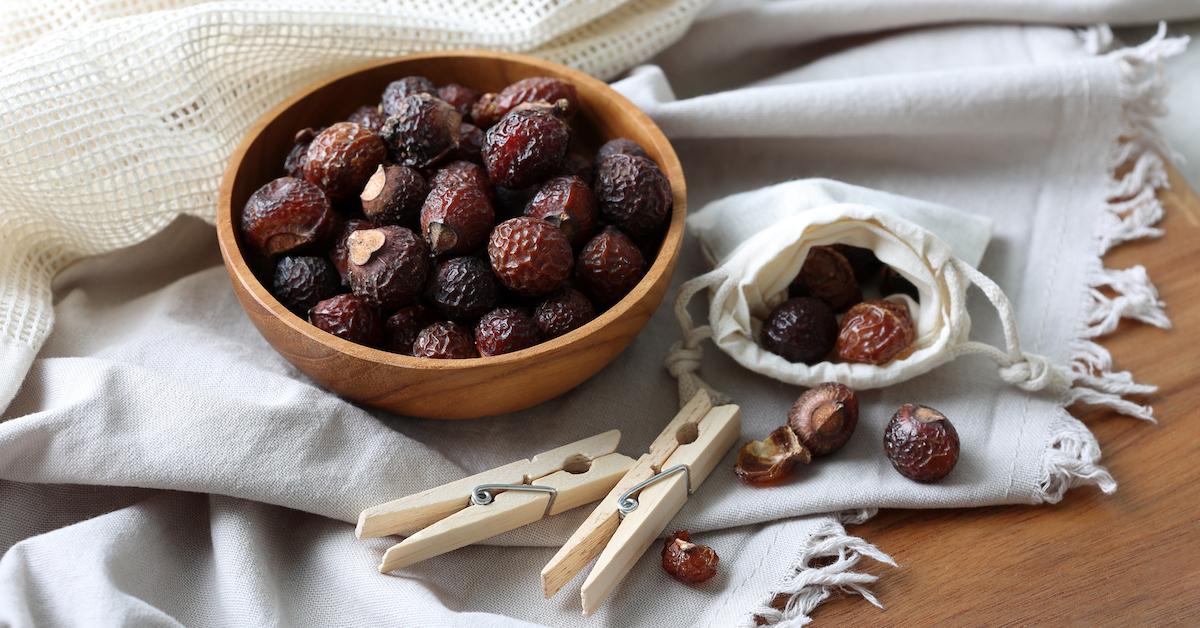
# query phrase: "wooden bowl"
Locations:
[[444, 389]]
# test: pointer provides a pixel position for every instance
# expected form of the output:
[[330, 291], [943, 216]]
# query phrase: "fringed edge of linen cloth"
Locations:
[[827, 563]]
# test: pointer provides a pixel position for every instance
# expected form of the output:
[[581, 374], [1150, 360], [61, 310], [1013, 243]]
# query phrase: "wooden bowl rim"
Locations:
[[662, 265]]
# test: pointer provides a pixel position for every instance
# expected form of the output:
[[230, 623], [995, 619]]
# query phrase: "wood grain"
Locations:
[[445, 389], [1128, 559]]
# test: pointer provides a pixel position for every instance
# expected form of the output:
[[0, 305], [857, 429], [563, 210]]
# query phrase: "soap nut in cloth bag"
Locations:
[[757, 242]]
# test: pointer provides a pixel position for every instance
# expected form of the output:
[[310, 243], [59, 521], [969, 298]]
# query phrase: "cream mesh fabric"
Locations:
[[118, 116]]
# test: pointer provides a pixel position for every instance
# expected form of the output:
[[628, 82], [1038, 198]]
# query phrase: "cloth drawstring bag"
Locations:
[[757, 242]]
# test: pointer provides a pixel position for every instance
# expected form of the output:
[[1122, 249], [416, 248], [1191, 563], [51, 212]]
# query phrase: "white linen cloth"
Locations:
[[231, 477]]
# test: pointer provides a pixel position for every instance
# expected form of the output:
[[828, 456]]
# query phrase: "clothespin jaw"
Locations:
[[696, 439], [473, 509]]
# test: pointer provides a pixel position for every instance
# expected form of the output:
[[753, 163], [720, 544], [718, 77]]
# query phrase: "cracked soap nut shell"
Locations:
[[567, 203], [875, 332], [770, 460], [824, 417], [525, 147], [457, 216], [423, 130], [444, 340], [300, 282], [921, 443], [687, 561]]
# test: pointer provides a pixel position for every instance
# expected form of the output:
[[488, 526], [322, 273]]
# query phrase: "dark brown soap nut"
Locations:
[[456, 218], [875, 332], [341, 158], [300, 282], [339, 253], [921, 443], [505, 330], [609, 266], [293, 165], [619, 146], [802, 329], [490, 108], [828, 276], [770, 460], [824, 417], [401, 328], [470, 143], [348, 317], [394, 94], [525, 147], [892, 282], [530, 256], [287, 215], [445, 340], [633, 194], [370, 117], [458, 96], [866, 266], [566, 203], [387, 265], [461, 173], [423, 131], [394, 196], [463, 288], [687, 561], [563, 312]]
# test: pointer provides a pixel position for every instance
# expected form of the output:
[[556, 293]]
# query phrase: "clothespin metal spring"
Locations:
[[626, 503], [483, 494]]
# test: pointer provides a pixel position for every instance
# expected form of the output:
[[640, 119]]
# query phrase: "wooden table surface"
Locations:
[[1130, 559]]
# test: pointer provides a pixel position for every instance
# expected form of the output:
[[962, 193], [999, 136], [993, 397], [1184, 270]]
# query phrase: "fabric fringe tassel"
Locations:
[[1131, 212], [825, 566], [1072, 459]]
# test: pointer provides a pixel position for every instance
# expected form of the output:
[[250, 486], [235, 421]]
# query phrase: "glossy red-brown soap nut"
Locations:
[[445, 340], [287, 215], [828, 276], [341, 158], [457, 217], [567, 203], [490, 108], [402, 327], [525, 147], [348, 317], [609, 266], [802, 329], [633, 194], [294, 163], [505, 330], [875, 332], [921, 443], [394, 196], [387, 265], [530, 256], [423, 131], [461, 172], [686, 561], [619, 146]]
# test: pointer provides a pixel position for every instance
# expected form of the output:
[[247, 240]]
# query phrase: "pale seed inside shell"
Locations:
[[374, 185], [361, 244]]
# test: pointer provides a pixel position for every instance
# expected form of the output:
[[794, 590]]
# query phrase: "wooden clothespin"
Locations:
[[622, 526], [454, 515]]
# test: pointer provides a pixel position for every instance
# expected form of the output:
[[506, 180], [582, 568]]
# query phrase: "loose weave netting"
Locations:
[[116, 116]]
